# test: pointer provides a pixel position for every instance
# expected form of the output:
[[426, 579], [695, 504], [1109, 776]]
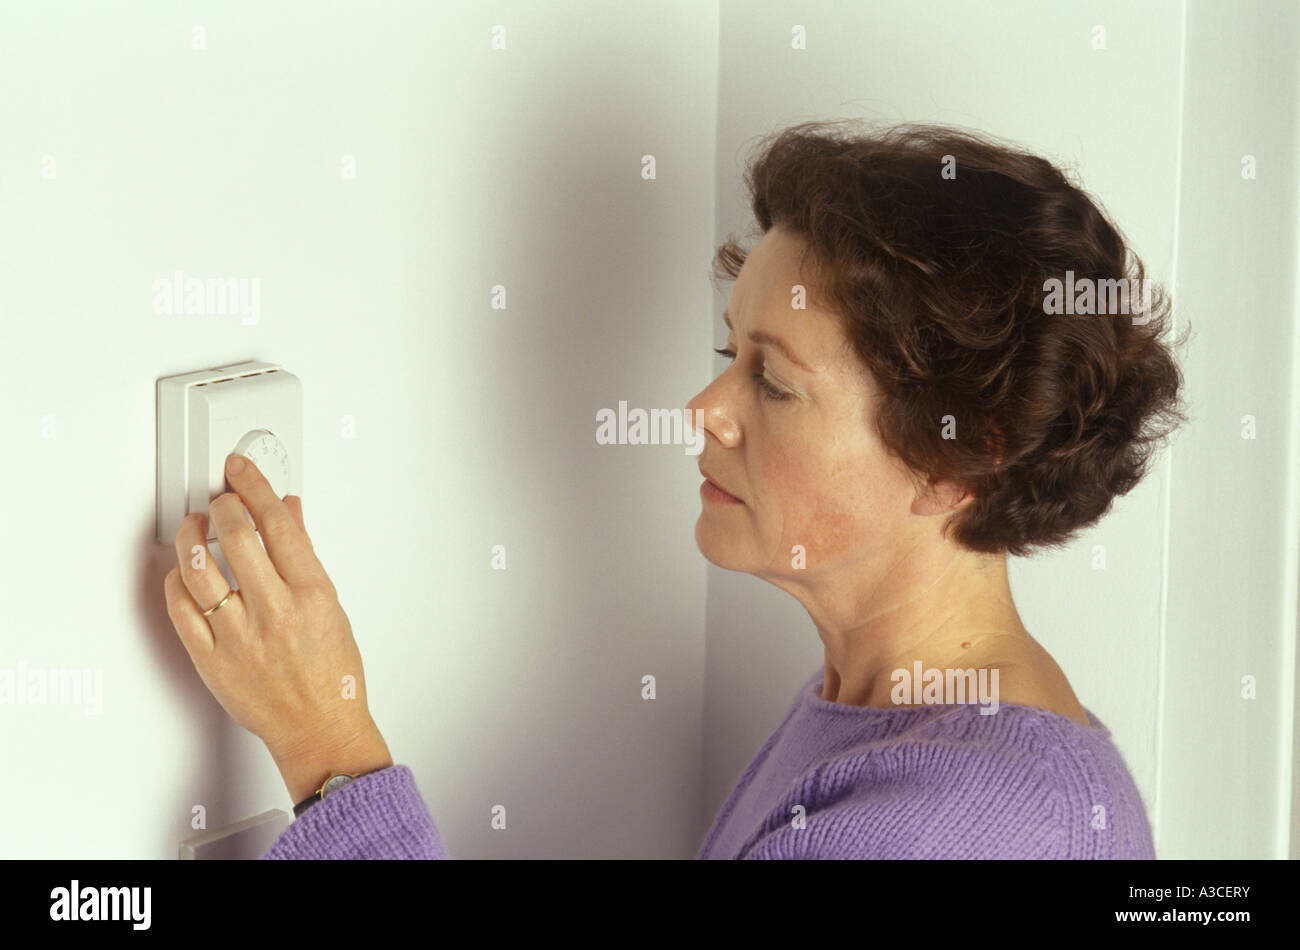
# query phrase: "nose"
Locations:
[[709, 411]]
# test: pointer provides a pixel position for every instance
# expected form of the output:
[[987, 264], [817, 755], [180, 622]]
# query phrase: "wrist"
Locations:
[[304, 771]]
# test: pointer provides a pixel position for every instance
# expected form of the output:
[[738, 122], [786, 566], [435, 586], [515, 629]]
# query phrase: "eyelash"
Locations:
[[767, 389]]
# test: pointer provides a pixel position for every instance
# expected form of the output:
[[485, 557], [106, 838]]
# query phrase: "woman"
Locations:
[[906, 406]]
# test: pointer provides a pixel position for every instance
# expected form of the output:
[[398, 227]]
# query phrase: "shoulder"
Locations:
[[1036, 680], [1020, 783], [1025, 674]]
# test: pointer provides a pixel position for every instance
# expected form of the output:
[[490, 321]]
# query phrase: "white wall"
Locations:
[[1225, 772], [475, 426], [1200, 561]]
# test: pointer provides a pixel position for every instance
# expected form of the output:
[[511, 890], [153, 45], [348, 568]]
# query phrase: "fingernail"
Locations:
[[235, 464]]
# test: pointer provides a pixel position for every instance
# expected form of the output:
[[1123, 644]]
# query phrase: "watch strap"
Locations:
[[306, 803], [317, 795]]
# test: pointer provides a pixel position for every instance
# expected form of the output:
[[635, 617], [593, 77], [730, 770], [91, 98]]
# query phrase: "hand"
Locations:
[[279, 655]]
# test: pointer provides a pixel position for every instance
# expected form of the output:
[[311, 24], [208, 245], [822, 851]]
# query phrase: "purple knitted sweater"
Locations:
[[838, 781]]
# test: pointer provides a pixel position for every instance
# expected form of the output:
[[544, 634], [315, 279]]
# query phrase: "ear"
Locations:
[[937, 498], [940, 497]]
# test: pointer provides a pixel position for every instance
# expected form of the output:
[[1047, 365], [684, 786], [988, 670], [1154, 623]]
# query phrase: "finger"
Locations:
[[262, 589], [294, 504], [286, 540], [199, 573], [191, 626]]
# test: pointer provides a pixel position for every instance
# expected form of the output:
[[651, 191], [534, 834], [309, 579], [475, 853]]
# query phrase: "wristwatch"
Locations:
[[332, 784]]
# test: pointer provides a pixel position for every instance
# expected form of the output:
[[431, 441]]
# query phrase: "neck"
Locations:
[[945, 607]]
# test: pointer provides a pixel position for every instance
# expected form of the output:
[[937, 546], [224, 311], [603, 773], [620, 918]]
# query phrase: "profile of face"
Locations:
[[789, 431]]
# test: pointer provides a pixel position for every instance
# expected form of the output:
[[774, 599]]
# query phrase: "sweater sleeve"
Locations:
[[374, 817]]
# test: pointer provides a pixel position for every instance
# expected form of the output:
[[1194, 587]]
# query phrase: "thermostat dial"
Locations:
[[270, 456]]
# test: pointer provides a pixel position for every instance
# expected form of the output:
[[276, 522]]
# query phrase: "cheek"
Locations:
[[829, 508]]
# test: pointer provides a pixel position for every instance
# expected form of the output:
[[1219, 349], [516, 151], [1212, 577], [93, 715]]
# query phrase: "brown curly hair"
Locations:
[[940, 280]]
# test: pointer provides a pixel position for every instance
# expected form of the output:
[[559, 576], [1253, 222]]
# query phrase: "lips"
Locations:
[[717, 484]]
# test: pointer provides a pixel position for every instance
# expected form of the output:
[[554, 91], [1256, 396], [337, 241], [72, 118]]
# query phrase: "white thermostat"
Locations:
[[252, 409]]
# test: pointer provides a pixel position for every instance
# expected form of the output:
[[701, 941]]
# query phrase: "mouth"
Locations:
[[712, 491]]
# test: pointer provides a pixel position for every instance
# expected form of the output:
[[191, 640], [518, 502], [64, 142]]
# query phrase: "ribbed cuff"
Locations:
[[379, 816]]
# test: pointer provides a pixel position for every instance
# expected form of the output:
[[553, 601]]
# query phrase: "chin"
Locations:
[[715, 547]]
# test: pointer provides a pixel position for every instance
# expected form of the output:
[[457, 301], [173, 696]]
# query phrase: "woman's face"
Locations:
[[808, 468]]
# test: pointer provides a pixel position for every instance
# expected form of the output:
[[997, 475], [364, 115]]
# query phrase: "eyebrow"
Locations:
[[762, 336]]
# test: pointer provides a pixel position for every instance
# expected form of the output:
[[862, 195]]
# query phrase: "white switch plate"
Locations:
[[246, 840], [251, 408]]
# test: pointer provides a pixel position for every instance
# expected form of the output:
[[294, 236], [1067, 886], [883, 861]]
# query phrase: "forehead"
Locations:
[[772, 295], [772, 264]]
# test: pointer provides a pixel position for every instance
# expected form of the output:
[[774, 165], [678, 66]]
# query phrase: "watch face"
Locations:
[[334, 784]]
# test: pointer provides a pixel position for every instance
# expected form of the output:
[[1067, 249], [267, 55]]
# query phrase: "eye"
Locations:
[[766, 388]]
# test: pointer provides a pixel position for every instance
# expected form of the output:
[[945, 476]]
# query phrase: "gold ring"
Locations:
[[212, 610]]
